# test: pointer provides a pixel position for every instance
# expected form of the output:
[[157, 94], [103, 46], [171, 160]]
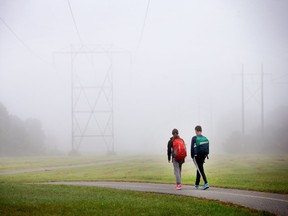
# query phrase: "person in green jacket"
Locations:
[[199, 152]]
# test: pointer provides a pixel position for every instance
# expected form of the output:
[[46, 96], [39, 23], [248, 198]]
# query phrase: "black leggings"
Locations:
[[200, 160]]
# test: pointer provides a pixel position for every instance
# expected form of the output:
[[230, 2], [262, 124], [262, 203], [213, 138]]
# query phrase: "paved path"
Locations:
[[100, 163], [275, 203]]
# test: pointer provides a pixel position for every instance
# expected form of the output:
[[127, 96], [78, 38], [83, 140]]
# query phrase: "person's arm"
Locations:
[[193, 141], [169, 146]]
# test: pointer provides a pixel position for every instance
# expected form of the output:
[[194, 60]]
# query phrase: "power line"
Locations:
[[143, 27], [22, 42], [17, 37], [28, 48], [281, 77], [75, 25]]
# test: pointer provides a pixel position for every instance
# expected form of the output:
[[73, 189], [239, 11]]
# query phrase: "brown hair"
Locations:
[[175, 133]]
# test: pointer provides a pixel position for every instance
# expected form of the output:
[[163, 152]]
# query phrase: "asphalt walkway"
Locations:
[[100, 163], [275, 203]]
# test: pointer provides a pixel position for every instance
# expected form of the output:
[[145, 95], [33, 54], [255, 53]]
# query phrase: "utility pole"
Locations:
[[262, 99], [262, 74], [72, 101], [242, 101], [243, 98]]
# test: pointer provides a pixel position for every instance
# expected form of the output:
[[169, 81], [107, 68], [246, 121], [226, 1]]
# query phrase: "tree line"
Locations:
[[20, 137], [272, 140]]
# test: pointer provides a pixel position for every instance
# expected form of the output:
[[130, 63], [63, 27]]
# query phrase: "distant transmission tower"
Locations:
[[261, 74], [92, 108]]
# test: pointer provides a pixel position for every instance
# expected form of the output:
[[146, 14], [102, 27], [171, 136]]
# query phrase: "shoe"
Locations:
[[205, 186], [178, 186], [196, 186]]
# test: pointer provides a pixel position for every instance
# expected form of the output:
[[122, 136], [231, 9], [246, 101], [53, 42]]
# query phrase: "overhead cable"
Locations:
[[17, 37], [74, 21], [143, 27]]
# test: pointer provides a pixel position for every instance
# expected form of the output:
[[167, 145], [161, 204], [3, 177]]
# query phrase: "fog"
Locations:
[[173, 64]]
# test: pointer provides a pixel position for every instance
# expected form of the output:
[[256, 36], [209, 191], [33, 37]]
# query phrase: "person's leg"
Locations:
[[206, 185], [200, 162], [197, 173], [180, 166], [197, 178], [180, 174], [177, 172]]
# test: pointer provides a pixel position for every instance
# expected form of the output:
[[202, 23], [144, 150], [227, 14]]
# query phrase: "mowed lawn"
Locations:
[[253, 172], [19, 198], [26, 199]]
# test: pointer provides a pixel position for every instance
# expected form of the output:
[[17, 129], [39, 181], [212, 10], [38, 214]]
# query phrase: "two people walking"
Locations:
[[199, 152]]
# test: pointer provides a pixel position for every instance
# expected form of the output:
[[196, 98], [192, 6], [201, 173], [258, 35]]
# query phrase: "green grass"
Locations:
[[256, 172], [25, 199], [251, 172], [16, 163]]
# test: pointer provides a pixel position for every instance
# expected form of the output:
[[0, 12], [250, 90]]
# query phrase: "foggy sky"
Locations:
[[186, 70]]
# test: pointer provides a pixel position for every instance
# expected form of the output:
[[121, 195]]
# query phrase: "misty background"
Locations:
[[180, 67]]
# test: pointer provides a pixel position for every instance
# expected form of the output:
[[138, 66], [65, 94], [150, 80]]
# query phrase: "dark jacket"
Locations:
[[193, 142], [170, 148]]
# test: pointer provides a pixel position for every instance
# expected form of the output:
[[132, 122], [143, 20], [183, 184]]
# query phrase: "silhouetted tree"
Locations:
[[18, 137]]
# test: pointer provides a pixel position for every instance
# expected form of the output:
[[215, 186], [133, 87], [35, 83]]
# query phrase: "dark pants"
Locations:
[[200, 160]]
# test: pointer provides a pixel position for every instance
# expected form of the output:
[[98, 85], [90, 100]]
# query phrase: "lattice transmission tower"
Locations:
[[92, 108]]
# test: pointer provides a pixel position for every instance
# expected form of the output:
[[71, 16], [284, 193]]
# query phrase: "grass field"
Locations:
[[255, 172], [16, 163], [19, 199]]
